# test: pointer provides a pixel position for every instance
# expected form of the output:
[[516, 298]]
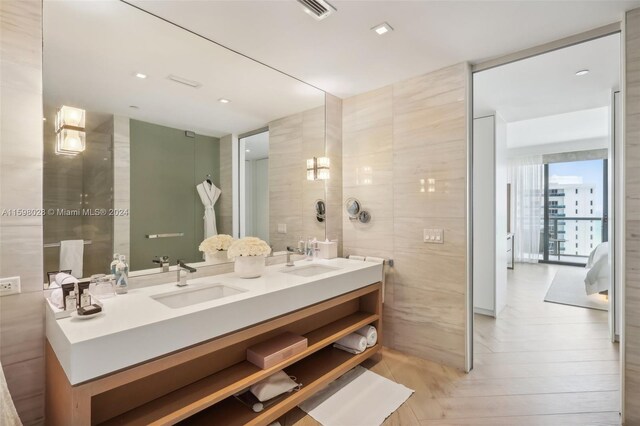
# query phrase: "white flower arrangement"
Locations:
[[216, 243], [249, 246]]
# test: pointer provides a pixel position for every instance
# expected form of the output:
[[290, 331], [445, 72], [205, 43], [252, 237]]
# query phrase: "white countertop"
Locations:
[[135, 328]]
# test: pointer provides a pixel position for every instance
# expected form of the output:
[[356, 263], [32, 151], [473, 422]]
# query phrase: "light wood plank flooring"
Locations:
[[538, 364]]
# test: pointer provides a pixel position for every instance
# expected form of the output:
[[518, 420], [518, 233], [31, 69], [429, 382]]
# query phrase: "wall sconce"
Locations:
[[318, 168], [70, 131]]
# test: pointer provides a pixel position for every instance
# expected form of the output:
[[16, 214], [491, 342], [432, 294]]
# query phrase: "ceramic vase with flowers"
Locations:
[[249, 254], [215, 248]]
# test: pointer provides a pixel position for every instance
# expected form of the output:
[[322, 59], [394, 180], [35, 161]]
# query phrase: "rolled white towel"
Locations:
[[360, 258], [64, 278], [56, 298], [370, 333], [352, 341]]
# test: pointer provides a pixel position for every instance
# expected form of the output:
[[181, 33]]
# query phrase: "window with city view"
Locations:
[[575, 217]]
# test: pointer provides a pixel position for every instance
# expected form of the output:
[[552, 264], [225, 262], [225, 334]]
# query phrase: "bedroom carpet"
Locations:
[[567, 288]]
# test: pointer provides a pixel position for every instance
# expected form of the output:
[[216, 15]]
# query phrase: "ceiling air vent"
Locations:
[[184, 81], [319, 9]]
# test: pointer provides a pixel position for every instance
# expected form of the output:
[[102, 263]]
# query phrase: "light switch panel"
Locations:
[[433, 236], [282, 228]]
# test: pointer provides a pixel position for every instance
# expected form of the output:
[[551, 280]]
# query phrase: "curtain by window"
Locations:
[[526, 176]]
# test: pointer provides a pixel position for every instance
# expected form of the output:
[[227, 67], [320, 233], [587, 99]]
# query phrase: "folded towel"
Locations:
[[370, 333], [71, 254], [361, 258], [272, 386], [374, 259], [353, 341], [344, 348]]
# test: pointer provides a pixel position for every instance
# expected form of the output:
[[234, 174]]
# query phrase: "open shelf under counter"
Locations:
[[202, 379], [314, 372], [202, 394]]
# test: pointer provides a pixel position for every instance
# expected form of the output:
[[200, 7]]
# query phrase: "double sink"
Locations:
[[206, 292]]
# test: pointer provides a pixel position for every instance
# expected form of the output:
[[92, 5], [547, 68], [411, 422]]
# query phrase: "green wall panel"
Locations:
[[166, 166]]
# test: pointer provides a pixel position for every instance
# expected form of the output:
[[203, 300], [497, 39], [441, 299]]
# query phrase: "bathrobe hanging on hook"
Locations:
[[209, 194]]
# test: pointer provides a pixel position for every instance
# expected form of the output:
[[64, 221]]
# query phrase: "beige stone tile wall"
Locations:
[[632, 218], [292, 197], [333, 186], [404, 158], [21, 135]]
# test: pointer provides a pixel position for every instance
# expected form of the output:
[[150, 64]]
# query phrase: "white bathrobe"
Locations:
[[209, 194]]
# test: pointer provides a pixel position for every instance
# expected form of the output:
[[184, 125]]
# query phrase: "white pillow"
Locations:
[[272, 386]]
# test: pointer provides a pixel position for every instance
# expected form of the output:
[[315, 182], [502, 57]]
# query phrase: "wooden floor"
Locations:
[[538, 364]]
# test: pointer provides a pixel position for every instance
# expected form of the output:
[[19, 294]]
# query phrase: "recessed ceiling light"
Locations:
[[44, 118], [141, 75], [382, 28], [224, 101], [582, 72], [247, 150]]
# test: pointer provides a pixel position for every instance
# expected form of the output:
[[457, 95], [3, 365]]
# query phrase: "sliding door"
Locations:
[[575, 210]]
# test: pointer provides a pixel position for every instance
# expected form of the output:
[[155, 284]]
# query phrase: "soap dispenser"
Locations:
[[122, 275]]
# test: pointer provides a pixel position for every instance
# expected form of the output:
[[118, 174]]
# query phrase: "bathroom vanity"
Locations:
[[163, 354]]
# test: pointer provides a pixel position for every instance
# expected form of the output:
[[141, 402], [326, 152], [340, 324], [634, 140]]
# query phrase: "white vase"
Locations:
[[249, 266], [219, 256]]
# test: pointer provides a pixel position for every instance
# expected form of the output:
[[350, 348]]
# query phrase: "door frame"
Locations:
[[616, 167]]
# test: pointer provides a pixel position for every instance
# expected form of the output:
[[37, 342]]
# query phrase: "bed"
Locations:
[[598, 277]]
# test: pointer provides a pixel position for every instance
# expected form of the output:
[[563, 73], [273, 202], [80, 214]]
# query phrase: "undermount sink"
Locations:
[[309, 270], [194, 295]]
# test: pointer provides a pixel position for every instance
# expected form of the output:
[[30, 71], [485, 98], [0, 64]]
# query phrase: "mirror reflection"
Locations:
[[180, 139]]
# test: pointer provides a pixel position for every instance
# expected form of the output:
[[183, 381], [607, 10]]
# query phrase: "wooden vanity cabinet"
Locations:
[[196, 385]]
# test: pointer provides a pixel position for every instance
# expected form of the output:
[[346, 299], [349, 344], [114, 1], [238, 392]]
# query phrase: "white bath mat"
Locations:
[[358, 398]]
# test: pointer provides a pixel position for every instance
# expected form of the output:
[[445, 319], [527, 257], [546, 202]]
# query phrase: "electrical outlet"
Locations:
[[282, 228], [9, 286]]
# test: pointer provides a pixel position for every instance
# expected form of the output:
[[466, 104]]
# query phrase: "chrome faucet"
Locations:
[[163, 261], [290, 251], [182, 278]]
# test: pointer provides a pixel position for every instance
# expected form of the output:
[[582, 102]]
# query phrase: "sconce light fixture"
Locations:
[[318, 168], [70, 131]]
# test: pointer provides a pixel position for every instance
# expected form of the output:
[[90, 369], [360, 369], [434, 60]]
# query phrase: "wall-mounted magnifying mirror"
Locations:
[[353, 207], [364, 216], [356, 212], [320, 210]]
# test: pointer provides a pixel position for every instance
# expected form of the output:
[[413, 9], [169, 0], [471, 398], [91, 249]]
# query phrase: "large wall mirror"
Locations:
[[170, 123]]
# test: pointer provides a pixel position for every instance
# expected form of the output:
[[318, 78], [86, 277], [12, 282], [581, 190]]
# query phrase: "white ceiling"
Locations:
[[92, 49], [547, 85], [590, 126], [342, 56]]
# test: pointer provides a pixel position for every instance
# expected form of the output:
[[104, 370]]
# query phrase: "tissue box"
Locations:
[[327, 249], [275, 350]]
